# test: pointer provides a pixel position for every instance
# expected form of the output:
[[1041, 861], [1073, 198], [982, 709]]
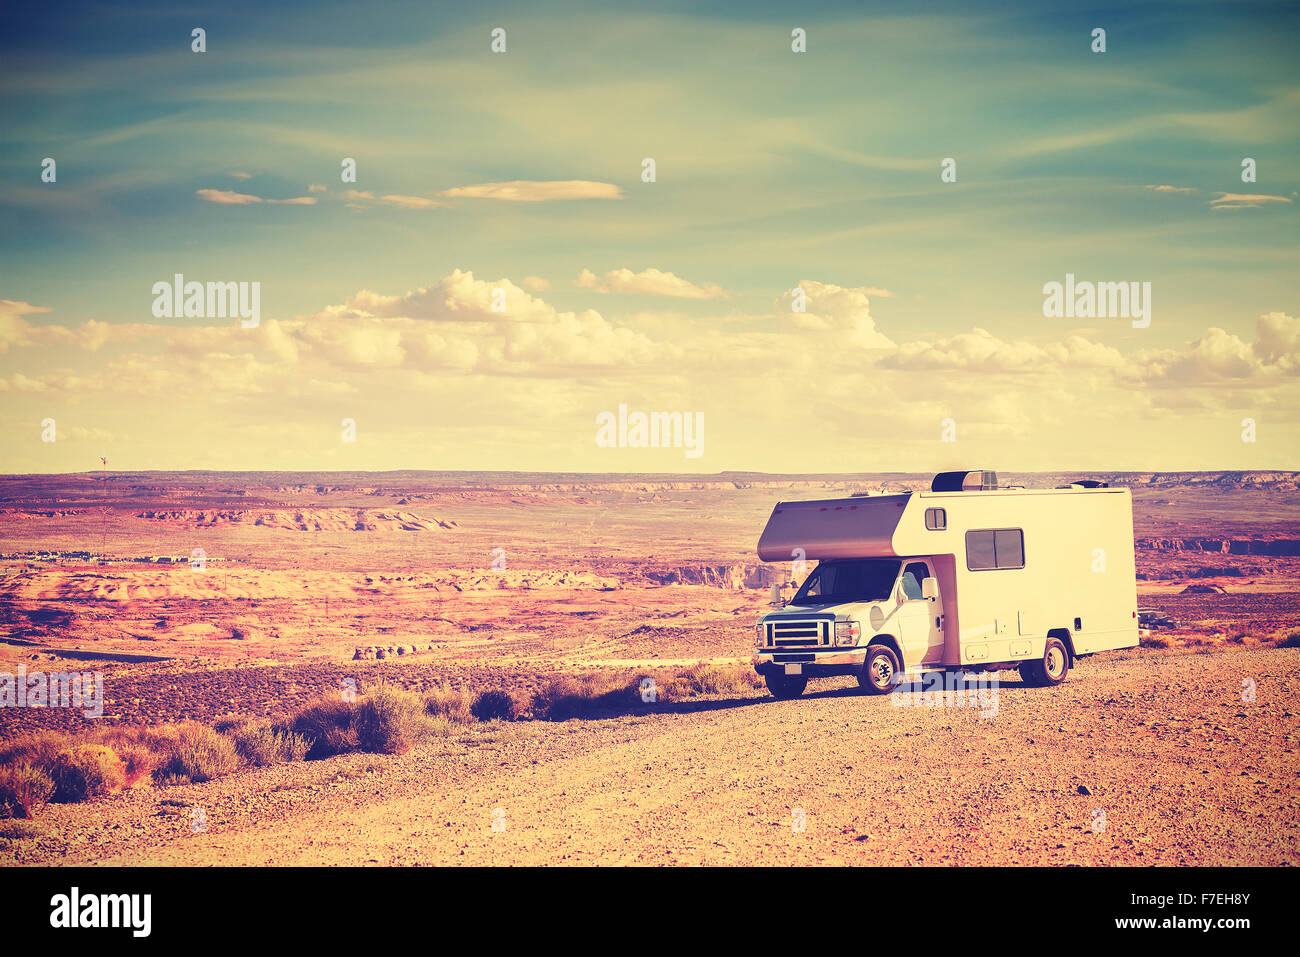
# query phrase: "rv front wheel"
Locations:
[[785, 687], [1049, 670], [879, 670]]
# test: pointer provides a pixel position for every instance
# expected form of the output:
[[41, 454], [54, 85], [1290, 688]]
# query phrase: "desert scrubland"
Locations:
[[311, 584]]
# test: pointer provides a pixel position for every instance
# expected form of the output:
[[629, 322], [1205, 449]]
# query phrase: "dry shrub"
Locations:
[[37, 749], [327, 724], [390, 720], [499, 704], [440, 726], [450, 703], [230, 723], [263, 744], [386, 721], [131, 745], [85, 771], [707, 679], [23, 790], [192, 753], [1289, 639], [573, 696]]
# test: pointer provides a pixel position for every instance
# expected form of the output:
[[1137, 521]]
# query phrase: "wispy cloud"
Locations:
[[410, 202], [534, 191], [1245, 200], [648, 282], [228, 197]]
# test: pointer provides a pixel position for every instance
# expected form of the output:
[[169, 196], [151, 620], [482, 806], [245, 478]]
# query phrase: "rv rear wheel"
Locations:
[[785, 687], [879, 670], [1049, 670]]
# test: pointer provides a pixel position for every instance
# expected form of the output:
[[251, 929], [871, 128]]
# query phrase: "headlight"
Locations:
[[847, 632], [760, 634]]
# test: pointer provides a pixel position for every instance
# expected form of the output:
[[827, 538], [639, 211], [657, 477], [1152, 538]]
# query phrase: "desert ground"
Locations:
[[476, 581]]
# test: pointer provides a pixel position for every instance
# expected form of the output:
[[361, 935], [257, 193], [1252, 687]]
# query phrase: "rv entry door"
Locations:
[[919, 618]]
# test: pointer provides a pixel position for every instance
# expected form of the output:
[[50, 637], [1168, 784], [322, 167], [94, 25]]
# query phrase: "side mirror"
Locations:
[[930, 589]]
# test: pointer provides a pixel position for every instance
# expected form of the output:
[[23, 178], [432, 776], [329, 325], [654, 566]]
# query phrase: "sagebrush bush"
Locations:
[[260, 745], [23, 790], [193, 753], [328, 726], [37, 749], [499, 704], [131, 744], [572, 696], [85, 771], [703, 679], [440, 726], [1289, 639], [450, 703], [390, 720]]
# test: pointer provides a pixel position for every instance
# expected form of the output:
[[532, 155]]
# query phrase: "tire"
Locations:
[[879, 671], [1051, 669], [785, 687]]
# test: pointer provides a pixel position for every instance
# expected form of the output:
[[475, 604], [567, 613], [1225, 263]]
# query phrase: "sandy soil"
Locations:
[[1183, 770], [492, 580]]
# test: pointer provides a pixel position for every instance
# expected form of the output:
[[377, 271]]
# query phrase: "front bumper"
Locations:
[[812, 664]]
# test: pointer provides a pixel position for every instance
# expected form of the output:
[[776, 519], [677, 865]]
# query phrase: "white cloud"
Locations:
[[648, 282], [1245, 200], [227, 197], [845, 311], [534, 191], [14, 329]]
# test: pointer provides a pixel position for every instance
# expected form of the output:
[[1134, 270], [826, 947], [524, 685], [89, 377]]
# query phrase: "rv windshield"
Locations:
[[857, 579]]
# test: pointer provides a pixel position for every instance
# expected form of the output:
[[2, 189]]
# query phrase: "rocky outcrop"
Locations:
[[736, 576], [304, 519], [1223, 546]]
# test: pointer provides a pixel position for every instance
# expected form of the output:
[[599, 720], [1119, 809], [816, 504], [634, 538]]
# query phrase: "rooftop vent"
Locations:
[[977, 481]]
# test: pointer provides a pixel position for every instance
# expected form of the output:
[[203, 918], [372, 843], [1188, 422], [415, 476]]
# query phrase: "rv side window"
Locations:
[[936, 519], [995, 548], [1009, 543]]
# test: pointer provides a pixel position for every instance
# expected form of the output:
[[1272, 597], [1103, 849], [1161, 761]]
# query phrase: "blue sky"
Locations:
[[774, 169]]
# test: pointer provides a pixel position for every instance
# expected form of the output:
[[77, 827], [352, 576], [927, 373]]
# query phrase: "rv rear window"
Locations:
[[995, 548], [936, 519]]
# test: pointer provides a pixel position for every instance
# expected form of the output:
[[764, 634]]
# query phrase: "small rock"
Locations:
[[1084, 789]]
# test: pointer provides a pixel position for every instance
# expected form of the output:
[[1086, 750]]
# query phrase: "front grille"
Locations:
[[813, 633]]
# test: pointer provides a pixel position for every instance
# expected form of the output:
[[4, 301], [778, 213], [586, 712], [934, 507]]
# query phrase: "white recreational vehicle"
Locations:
[[965, 577]]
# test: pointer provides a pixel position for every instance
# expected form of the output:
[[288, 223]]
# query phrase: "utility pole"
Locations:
[[103, 525]]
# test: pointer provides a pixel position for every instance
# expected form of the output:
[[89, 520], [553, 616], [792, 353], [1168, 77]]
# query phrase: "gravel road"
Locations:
[[1144, 758]]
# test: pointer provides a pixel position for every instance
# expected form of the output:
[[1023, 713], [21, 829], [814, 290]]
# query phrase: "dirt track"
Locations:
[[1185, 771]]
